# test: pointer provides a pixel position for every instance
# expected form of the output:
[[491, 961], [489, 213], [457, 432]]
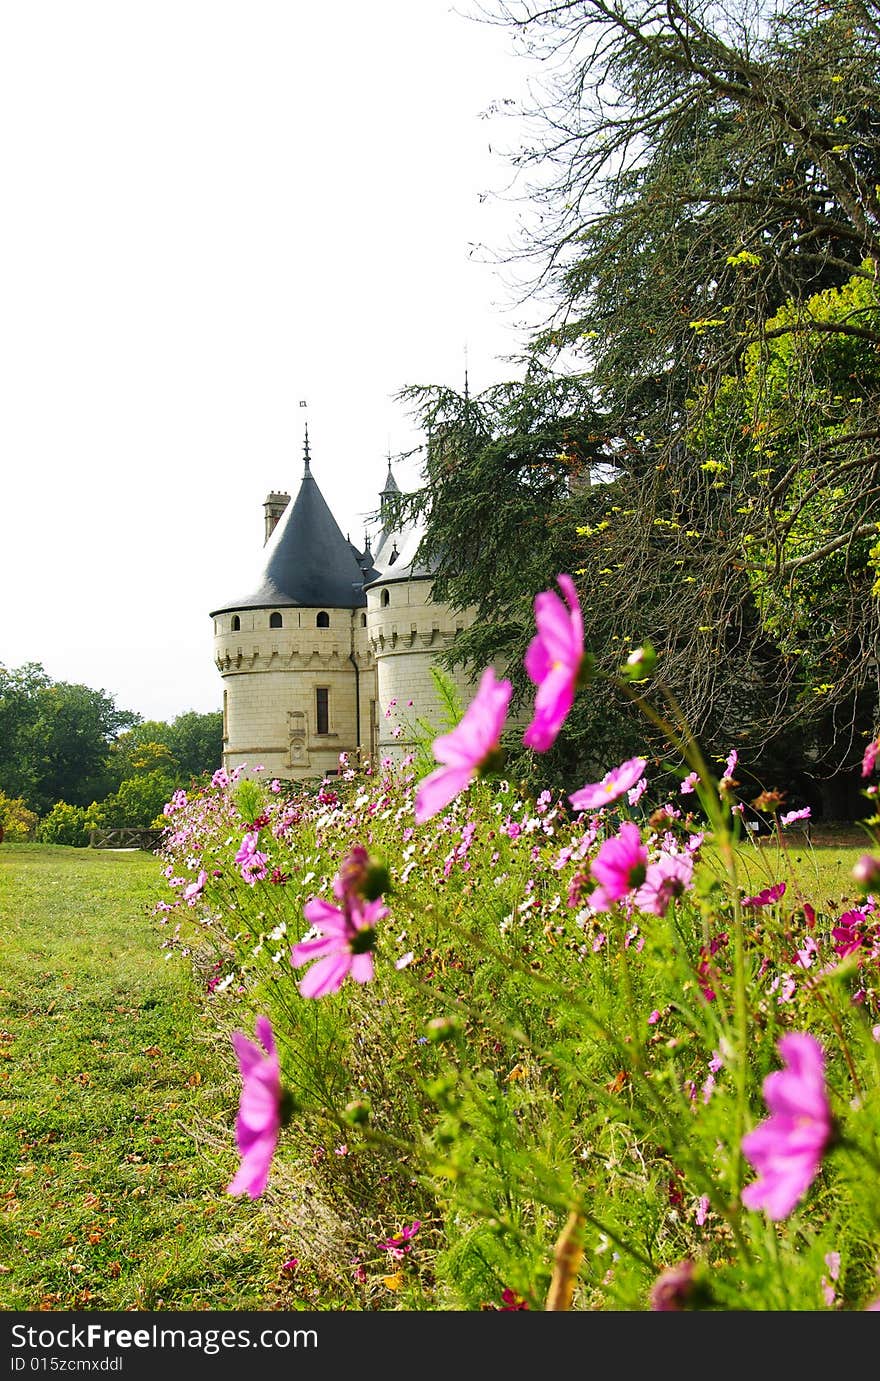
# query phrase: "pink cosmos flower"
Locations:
[[669, 877], [195, 889], [850, 933], [360, 875], [465, 750], [727, 779], [553, 660], [344, 945], [259, 1112], [832, 1261], [870, 757], [690, 783], [791, 815], [612, 785], [767, 897], [787, 1149], [638, 791], [618, 867], [248, 846], [510, 1300], [397, 1247]]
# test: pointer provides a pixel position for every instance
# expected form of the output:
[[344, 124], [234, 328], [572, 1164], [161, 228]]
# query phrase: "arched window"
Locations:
[[236, 623], [363, 620], [323, 620], [276, 621], [386, 599]]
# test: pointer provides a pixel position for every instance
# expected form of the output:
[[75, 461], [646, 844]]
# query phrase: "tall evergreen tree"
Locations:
[[704, 180]]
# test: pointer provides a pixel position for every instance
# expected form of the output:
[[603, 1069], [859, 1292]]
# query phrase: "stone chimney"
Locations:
[[273, 508]]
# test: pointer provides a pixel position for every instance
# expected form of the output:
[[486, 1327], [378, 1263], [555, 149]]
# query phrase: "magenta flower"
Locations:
[[612, 785], [467, 748], [510, 1300], [194, 891], [553, 660], [870, 757], [690, 783], [673, 1290], [851, 933], [619, 866], [767, 897], [727, 778], [787, 1149], [398, 1246], [344, 945], [668, 878], [259, 1112], [360, 875], [248, 846]]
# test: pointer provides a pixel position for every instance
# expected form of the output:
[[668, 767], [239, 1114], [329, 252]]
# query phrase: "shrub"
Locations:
[[17, 823], [139, 801], [66, 824]]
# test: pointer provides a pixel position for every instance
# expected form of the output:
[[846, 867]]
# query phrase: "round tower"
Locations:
[[296, 670], [406, 632]]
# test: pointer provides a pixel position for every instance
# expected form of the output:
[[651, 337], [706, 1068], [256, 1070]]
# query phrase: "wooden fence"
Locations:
[[125, 839]]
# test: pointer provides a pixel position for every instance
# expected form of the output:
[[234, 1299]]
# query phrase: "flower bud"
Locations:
[[866, 872], [357, 1112], [640, 663], [442, 1029]]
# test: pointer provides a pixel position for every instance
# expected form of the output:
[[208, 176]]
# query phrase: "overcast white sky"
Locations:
[[213, 209]]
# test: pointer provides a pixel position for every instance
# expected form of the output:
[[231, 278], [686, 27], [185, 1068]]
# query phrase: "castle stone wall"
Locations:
[[271, 676], [406, 635]]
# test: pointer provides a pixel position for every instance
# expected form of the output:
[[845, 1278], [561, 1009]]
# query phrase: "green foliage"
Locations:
[[70, 825], [16, 821], [55, 738], [507, 479], [197, 741], [66, 744], [187, 747], [708, 272], [519, 1058], [793, 437], [140, 800], [249, 795]]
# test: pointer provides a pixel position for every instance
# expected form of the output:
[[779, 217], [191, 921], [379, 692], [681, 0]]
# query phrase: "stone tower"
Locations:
[[292, 652], [327, 639]]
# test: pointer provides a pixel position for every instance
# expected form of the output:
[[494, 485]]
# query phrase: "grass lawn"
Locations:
[[118, 1097], [112, 1196], [818, 871]]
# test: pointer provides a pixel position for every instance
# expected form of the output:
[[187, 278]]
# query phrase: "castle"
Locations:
[[329, 640]]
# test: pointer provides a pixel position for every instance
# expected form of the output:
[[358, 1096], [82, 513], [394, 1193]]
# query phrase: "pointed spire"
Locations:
[[306, 455], [390, 486]]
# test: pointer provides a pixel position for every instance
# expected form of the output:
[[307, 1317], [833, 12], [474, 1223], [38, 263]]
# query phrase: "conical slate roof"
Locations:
[[308, 561], [391, 485]]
